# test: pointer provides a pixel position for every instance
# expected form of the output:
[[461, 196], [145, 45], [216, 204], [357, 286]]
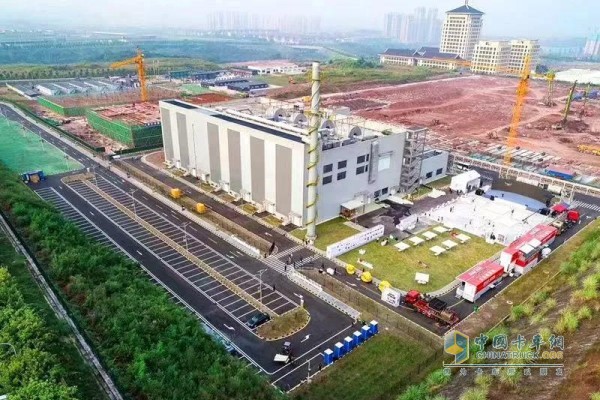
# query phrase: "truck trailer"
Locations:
[[433, 308]]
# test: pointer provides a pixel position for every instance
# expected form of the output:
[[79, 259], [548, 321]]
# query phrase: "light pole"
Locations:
[[132, 191], [185, 224], [260, 285], [11, 346], [67, 162]]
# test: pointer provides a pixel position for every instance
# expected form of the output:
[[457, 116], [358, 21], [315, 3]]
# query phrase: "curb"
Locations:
[[288, 334]]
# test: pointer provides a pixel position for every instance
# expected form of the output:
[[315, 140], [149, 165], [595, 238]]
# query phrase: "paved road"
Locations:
[[327, 325]]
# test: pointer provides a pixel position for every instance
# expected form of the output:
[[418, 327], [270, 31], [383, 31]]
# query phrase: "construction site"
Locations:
[[472, 115]]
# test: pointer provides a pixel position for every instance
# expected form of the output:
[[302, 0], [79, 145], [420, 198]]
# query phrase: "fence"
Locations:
[[377, 311], [213, 217]]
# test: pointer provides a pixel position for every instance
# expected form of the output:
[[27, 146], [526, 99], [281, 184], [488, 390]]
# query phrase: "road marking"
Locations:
[[139, 252], [91, 213], [305, 338], [214, 241], [231, 328], [268, 234]]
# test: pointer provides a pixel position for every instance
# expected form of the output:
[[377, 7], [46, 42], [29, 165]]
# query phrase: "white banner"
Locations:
[[351, 243]]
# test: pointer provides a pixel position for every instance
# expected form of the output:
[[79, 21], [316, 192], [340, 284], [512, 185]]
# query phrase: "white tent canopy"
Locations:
[[466, 181]]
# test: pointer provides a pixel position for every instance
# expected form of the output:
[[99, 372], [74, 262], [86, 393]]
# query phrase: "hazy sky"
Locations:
[[528, 18]]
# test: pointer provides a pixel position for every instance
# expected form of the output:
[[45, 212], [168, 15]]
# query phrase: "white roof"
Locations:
[[441, 229], [462, 237], [421, 277], [467, 176], [437, 250], [402, 246], [429, 235], [416, 240], [353, 204], [449, 244]]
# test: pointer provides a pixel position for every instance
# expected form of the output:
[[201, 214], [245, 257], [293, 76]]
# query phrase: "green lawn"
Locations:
[[376, 370], [445, 181], [399, 268], [24, 151], [194, 89], [281, 80], [328, 232]]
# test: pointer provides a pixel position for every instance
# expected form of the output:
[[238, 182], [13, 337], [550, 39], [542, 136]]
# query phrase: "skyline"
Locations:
[[502, 17]]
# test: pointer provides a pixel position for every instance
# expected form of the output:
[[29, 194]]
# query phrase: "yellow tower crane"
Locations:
[[522, 91], [139, 61]]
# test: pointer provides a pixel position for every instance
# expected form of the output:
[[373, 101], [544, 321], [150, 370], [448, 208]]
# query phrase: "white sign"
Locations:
[[391, 296], [351, 243]]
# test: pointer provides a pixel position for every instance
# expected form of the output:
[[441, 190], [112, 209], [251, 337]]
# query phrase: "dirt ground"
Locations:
[[471, 113]]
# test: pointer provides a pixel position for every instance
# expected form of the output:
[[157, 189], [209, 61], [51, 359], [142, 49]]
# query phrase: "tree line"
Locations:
[[153, 348]]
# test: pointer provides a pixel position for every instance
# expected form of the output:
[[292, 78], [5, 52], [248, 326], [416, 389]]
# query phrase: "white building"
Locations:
[[461, 31], [268, 68], [592, 46], [262, 157], [521, 49], [424, 57], [490, 57]]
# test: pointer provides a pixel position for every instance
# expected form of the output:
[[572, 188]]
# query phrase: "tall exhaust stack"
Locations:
[[313, 156]]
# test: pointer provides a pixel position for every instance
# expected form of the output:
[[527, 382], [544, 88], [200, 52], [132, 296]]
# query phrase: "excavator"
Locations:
[[139, 61]]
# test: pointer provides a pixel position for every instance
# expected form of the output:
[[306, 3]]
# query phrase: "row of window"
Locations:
[[329, 167], [342, 174], [430, 174]]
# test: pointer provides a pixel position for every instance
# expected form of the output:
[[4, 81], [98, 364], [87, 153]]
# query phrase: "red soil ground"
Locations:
[[467, 112]]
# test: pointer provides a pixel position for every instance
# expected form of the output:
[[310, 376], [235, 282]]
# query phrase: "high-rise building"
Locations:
[[592, 46], [521, 49], [421, 27], [461, 30], [490, 57]]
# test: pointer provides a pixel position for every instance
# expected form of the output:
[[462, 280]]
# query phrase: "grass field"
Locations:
[[376, 370], [328, 232], [23, 151], [194, 89], [399, 268]]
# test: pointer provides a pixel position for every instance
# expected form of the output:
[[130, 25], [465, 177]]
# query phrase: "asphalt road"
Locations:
[[327, 325]]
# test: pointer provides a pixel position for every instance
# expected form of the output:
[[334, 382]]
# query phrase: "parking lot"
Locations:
[[230, 302]]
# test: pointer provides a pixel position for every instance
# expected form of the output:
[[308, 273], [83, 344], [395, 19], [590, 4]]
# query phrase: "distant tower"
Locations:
[[461, 30]]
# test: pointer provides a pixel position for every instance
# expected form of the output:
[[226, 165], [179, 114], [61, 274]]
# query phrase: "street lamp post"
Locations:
[[132, 191], [185, 224], [260, 285]]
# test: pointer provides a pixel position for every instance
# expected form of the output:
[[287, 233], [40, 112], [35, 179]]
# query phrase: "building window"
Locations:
[[342, 164], [439, 171], [361, 159], [429, 175], [327, 179], [327, 168], [377, 193], [368, 157], [341, 175], [384, 191], [360, 170]]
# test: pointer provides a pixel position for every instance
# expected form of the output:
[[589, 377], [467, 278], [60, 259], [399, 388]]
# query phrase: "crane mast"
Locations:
[[522, 91], [141, 71]]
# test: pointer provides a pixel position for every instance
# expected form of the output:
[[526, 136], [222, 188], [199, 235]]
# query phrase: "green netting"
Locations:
[[61, 110], [23, 151], [132, 136]]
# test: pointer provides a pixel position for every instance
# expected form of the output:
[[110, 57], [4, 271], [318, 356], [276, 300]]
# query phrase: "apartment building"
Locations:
[[520, 50], [461, 31]]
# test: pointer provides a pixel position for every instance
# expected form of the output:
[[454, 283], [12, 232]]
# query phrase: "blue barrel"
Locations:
[[338, 350], [348, 344], [366, 332], [374, 327], [358, 339], [327, 357]]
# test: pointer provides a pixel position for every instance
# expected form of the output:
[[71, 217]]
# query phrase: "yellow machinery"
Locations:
[[350, 269], [139, 61], [568, 105], [522, 90], [200, 208], [595, 150], [176, 193], [366, 277], [550, 76]]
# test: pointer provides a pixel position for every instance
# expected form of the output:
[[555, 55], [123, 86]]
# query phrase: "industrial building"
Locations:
[[260, 153], [592, 46], [275, 67], [461, 30]]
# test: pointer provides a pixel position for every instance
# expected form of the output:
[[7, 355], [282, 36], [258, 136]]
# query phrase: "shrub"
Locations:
[[483, 380], [517, 312], [595, 396], [474, 394], [568, 322], [415, 392], [437, 379], [540, 296], [584, 313], [549, 304]]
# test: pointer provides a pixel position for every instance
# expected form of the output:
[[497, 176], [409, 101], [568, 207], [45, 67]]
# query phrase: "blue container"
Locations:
[[358, 339], [348, 344], [374, 327], [366, 332], [338, 350], [327, 357]]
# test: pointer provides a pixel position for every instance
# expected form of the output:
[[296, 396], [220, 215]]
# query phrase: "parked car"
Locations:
[[257, 319]]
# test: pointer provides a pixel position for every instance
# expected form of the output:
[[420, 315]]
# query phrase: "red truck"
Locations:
[[565, 217], [433, 308]]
